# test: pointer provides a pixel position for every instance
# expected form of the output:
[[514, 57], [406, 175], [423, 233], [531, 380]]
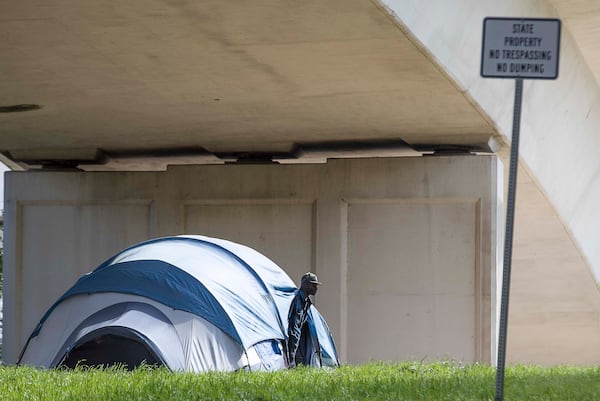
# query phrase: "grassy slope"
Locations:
[[441, 381]]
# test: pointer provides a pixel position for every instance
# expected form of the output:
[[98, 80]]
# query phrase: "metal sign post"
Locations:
[[508, 237], [520, 48]]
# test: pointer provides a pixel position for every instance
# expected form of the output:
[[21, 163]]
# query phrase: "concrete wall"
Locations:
[[559, 133], [406, 247], [554, 315], [555, 306]]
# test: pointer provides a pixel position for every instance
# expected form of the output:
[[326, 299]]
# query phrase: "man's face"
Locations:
[[311, 288]]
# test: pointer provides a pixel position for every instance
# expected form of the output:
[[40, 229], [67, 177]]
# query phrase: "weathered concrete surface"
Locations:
[[219, 76], [406, 246], [555, 310], [558, 134]]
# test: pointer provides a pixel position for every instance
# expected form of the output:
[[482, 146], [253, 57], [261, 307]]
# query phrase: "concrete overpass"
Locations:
[[110, 86]]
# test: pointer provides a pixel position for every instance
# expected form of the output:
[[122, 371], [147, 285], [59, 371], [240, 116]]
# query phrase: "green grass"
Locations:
[[404, 381]]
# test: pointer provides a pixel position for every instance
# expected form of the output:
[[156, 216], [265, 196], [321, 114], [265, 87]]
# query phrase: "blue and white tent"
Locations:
[[190, 303]]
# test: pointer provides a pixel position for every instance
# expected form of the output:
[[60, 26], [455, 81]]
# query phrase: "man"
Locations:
[[300, 347]]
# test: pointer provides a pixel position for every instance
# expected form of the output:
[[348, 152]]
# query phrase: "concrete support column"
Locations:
[[330, 257]]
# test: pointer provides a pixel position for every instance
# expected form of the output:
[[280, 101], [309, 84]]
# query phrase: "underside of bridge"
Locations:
[[137, 86]]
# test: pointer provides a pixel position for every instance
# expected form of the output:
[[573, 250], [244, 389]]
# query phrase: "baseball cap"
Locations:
[[311, 278]]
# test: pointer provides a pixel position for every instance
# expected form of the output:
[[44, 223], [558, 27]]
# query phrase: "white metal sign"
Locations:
[[525, 48]]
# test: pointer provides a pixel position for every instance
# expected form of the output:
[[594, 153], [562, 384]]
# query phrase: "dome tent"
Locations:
[[190, 303]]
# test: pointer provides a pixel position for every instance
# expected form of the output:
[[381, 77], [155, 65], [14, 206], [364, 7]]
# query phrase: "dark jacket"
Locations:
[[297, 317]]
